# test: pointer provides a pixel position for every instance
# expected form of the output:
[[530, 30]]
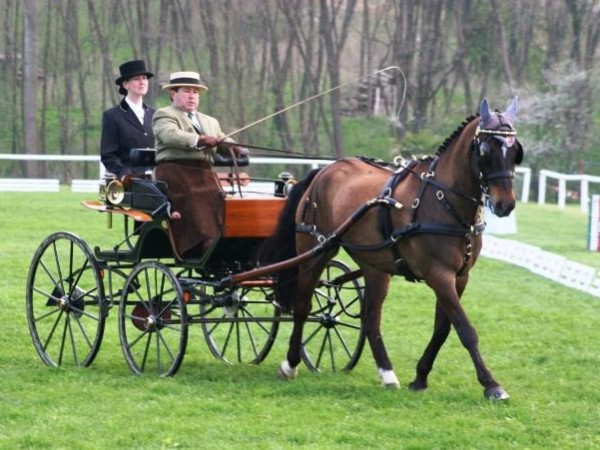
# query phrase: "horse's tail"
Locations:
[[281, 245]]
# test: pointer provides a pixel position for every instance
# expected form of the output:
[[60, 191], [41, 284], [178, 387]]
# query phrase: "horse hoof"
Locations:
[[388, 379], [417, 386], [287, 372], [496, 393]]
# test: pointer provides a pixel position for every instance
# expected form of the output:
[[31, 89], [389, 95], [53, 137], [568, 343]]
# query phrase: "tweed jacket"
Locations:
[[122, 131], [176, 137]]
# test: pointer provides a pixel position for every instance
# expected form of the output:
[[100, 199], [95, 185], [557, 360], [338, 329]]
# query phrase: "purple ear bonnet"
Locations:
[[489, 120]]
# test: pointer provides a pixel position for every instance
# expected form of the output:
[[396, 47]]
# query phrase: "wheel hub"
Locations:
[[63, 303], [232, 306], [150, 323], [148, 319], [329, 320]]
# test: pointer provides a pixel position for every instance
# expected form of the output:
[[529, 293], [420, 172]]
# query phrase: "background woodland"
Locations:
[[59, 60]]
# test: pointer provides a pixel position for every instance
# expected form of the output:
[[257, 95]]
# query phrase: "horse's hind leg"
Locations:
[[288, 369], [302, 295], [441, 329], [376, 287]]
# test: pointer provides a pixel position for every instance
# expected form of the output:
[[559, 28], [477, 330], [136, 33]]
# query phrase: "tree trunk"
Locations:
[[501, 45], [333, 41], [30, 84]]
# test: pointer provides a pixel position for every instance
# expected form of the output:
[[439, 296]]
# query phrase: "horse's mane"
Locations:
[[455, 134]]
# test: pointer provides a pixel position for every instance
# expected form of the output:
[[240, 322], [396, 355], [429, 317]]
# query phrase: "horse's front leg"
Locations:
[[449, 301], [376, 288], [441, 329]]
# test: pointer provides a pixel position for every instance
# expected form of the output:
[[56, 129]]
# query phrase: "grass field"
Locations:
[[540, 339]]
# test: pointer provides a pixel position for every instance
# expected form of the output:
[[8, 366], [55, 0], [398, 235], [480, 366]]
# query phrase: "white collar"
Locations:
[[137, 108]]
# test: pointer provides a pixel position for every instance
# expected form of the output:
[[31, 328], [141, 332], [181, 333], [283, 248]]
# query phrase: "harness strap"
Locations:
[[386, 225], [501, 174]]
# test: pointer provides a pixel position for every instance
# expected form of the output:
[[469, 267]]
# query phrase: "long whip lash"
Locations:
[[320, 94]]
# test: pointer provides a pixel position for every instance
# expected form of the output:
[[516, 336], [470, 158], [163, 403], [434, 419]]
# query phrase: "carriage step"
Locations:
[[115, 255]]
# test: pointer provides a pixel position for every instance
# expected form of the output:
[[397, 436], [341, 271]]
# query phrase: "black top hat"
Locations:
[[131, 69]]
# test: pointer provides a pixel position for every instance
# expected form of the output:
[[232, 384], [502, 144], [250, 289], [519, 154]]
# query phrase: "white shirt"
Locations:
[[137, 108]]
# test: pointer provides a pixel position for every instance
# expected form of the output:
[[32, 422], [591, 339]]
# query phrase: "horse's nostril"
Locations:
[[502, 208]]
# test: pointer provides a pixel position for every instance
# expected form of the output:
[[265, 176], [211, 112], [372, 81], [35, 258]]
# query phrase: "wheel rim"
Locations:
[[153, 320], [243, 328], [65, 302], [333, 336]]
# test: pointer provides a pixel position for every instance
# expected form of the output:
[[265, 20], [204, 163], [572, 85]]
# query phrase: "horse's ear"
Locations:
[[511, 111], [484, 111]]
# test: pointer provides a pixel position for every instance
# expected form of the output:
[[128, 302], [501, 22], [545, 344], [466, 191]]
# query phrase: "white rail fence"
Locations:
[[583, 192], [48, 184], [91, 185], [548, 265]]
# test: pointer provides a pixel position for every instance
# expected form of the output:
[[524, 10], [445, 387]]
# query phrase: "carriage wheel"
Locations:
[[153, 320], [333, 336], [66, 308], [245, 329]]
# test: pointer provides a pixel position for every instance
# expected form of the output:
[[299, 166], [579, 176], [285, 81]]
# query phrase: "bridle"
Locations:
[[482, 152]]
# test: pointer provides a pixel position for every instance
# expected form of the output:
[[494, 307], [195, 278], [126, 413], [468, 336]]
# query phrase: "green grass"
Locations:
[[540, 340]]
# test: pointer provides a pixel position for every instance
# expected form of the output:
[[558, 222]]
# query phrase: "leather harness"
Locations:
[[385, 224]]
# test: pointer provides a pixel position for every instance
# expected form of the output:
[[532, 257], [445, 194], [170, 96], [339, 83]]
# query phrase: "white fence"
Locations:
[[25, 184], [77, 185], [548, 265], [583, 193], [49, 184]]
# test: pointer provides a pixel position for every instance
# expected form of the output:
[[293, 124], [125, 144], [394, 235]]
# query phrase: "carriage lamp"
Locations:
[[284, 185], [115, 192], [102, 193]]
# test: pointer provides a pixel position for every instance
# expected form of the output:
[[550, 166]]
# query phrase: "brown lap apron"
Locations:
[[195, 193]]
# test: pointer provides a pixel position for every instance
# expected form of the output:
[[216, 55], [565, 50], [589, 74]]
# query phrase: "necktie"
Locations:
[[195, 122]]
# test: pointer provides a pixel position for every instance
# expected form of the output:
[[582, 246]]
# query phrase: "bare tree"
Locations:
[[30, 73], [334, 23]]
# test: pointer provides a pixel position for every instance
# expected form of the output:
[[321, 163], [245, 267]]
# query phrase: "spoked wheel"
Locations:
[[153, 320], [240, 327], [66, 309], [333, 335]]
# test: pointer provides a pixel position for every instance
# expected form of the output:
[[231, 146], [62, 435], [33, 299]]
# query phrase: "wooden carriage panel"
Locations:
[[251, 217]]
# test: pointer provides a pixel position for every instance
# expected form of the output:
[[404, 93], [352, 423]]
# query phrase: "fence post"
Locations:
[[542, 187], [562, 192], [584, 193], [526, 171]]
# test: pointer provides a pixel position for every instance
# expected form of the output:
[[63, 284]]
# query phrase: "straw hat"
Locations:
[[185, 79]]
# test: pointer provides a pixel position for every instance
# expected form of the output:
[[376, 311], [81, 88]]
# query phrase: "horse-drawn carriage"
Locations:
[[71, 288], [420, 219]]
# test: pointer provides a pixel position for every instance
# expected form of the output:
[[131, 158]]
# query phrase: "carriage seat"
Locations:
[[145, 157]]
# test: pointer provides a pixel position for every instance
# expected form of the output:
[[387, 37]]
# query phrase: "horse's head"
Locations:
[[495, 152]]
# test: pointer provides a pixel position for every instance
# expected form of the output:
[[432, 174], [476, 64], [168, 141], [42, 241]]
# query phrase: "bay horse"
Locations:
[[421, 220]]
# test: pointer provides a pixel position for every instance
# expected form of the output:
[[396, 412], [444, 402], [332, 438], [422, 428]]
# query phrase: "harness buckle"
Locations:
[[415, 203], [439, 195]]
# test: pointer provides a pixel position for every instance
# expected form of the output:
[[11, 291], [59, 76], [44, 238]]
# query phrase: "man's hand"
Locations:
[[207, 141]]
